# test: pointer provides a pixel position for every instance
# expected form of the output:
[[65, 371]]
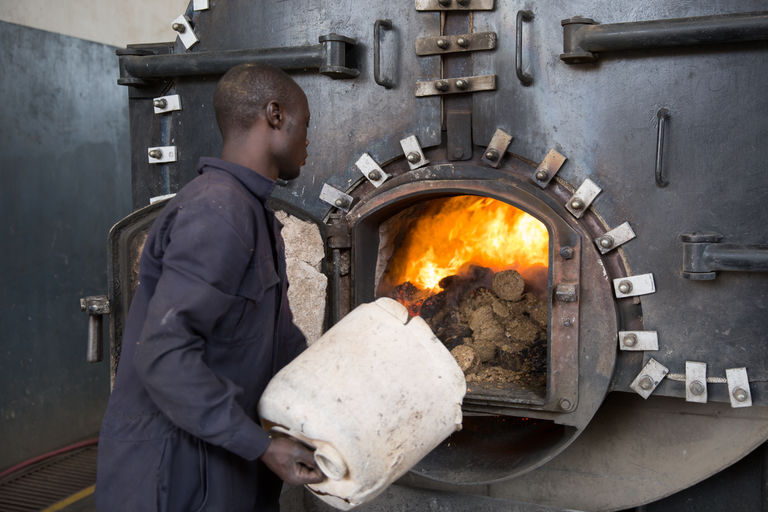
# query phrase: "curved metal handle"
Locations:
[[525, 78], [377, 26], [662, 115]]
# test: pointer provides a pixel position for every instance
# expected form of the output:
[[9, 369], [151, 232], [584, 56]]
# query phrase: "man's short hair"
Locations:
[[245, 90]]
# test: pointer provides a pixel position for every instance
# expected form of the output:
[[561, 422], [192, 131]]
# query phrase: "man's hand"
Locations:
[[293, 462]]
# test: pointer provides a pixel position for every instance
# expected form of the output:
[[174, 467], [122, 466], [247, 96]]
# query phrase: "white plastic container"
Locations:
[[374, 395]]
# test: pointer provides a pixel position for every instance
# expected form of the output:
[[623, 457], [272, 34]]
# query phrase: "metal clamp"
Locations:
[[96, 306], [525, 78], [614, 238], [738, 387], [454, 5], [547, 169], [437, 45], [632, 286], [183, 28], [704, 256], [638, 340], [165, 104], [456, 85], [336, 197], [649, 378], [496, 148], [413, 152], [371, 170], [582, 198], [161, 154], [387, 83], [695, 382]]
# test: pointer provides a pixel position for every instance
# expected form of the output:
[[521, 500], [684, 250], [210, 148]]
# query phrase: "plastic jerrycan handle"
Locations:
[[327, 457]]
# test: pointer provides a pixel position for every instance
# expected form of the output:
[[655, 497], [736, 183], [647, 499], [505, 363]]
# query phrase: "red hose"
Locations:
[[31, 461]]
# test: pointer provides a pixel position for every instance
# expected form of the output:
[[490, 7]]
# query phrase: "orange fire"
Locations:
[[462, 230]]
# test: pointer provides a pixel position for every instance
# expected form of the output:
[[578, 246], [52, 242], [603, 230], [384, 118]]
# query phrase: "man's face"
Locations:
[[293, 147]]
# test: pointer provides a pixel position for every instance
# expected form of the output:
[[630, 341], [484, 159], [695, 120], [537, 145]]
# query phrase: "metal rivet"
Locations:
[[414, 157], [444, 3], [565, 404], [461, 84], [646, 383], [341, 202], [606, 242], [443, 43], [374, 175], [179, 27], [630, 340], [492, 154], [463, 42], [625, 287], [740, 395], [697, 388], [156, 153], [463, 2], [160, 103], [442, 85], [577, 204], [567, 322], [542, 175], [566, 252]]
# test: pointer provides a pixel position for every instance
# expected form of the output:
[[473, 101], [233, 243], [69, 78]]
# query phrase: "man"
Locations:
[[210, 324]]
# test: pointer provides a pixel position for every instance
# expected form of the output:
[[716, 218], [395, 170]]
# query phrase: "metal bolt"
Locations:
[[341, 202], [740, 395], [442, 85], [413, 157], [179, 27], [492, 154], [461, 84], [566, 252], [697, 388], [374, 175], [444, 3], [160, 103], [567, 322], [565, 404], [156, 153], [577, 204], [464, 2], [542, 175], [625, 287], [646, 383], [463, 42], [630, 340], [443, 43], [606, 242]]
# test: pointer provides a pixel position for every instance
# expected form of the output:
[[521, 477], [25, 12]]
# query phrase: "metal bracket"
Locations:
[[457, 85], [200, 5], [632, 286], [336, 197], [437, 45], [547, 169], [582, 198], [454, 5], [614, 238], [164, 104], [161, 154], [371, 170], [496, 148], [183, 28], [704, 256], [567, 292], [96, 306], [638, 340], [413, 152], [738, 387], [649, 378], [695, 382]]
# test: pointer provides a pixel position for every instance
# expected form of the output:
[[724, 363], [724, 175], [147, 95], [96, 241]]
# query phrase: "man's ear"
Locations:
[[275, 115]]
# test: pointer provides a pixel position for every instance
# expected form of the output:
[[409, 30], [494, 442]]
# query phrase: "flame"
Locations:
[[463, 230]]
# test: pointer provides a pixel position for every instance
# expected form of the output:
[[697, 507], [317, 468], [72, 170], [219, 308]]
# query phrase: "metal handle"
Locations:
[[525, 78], [95, 306], [377, 26], [704, 256], [662, 115]]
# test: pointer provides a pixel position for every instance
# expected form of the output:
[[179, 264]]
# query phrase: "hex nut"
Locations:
[[565, 404], [566, 252], [577, 204], [179, 27], [414, 157], [625, 287], [697, 388], [630, 340], [542, 175], [646, 383], [492, 154], [160, 103], [740, 395], [606, 241]]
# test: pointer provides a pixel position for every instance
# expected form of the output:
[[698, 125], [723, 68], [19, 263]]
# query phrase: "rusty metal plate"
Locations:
[[458, 85], [496, 148], [437, 45], [454, 5], [548, 168]]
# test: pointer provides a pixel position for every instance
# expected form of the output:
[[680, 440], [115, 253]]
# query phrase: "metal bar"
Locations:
[[525, 78], [335, 286], [387, 83], [582, 36], [662, 115]]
